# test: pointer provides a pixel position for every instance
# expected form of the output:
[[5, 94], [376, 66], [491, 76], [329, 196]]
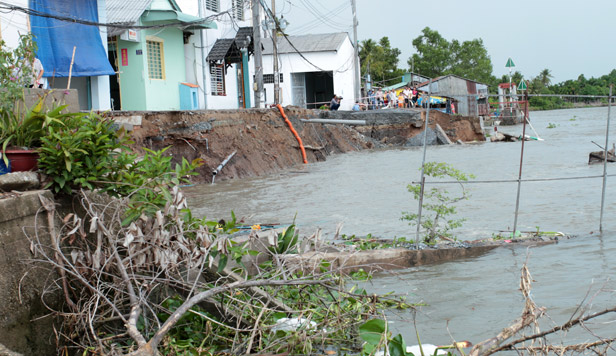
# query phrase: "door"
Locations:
[[298, 89]]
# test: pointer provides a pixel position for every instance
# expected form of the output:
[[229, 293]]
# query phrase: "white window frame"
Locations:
[[217, 79]]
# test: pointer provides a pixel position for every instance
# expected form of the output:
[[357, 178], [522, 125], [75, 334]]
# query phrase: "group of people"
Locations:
[[406, 98], [379, 99]]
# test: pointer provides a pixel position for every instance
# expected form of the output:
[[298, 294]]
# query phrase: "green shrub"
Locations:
[[81, 153], [438, 204]]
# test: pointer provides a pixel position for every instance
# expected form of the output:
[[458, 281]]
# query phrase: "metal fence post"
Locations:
[[607, 135]]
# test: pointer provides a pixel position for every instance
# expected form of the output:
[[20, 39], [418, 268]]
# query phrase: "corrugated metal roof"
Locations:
[[325, 42], [446, 76], [128, 12]]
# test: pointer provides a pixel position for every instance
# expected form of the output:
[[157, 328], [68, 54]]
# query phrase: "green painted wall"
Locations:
[[138, 91], [165, 94]]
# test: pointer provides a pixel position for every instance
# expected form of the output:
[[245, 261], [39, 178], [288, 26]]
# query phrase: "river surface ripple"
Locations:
[[471, 299]]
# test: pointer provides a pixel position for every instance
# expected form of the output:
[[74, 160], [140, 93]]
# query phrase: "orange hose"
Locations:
[[299, 140]]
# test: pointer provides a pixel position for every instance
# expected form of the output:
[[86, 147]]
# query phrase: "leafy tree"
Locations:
[[436, 56], [433, 57], [380, 60]]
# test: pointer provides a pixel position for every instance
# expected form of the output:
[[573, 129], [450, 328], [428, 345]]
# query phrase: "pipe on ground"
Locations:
[[335, 121], [299, 140]]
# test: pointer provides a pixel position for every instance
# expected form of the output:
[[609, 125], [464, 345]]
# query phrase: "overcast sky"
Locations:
[[568, 37]]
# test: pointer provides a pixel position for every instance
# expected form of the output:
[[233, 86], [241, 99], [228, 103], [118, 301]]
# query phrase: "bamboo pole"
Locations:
[[70, 70]]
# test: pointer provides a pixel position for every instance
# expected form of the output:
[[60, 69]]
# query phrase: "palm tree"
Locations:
[[545, 76]]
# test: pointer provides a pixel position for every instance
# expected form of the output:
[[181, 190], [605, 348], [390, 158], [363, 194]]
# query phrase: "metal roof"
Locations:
[[447, 76], [124, 12], [325, 42]]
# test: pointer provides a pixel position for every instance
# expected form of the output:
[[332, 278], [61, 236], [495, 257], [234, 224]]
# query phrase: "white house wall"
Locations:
[[13, 24], [196, 62], [340, 63]]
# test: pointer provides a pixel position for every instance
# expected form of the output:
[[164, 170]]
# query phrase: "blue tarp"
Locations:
[[56, 39]]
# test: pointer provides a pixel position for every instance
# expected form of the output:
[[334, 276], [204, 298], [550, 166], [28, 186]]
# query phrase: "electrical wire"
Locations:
[[178, 24]]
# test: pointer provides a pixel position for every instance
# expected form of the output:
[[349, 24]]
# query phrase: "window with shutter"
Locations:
[[212, 5]]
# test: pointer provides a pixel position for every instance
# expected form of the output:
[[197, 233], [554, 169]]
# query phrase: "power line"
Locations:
[[125, 26]]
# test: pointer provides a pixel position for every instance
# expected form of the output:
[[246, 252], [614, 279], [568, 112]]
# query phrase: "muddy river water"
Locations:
[[469, 299]]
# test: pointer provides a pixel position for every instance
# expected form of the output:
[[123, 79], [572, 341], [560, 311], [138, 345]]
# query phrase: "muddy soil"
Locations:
[[265, 144]]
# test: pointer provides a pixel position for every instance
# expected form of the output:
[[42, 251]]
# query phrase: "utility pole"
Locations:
[[275, 46], [256, 37], [356, 60]]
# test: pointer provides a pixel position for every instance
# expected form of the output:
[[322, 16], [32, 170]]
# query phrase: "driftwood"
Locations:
[[530, 316], [599, 156]]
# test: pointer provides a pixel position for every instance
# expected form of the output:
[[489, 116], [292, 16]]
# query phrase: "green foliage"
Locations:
[[368, 242], [379, 60], [15, 71], [551, 125], [81, 152], [88, 152], [26, 131], [436, 56], [374, 333], [438, 204], [287, 241]]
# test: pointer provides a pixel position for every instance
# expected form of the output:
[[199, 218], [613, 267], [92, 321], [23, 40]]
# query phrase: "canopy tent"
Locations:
[[57, 38]]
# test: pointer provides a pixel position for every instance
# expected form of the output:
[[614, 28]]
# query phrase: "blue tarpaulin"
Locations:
[[56, 39]]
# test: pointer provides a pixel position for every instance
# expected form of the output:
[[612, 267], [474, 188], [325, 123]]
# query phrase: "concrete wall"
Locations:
[[25, 326], [53, 98]]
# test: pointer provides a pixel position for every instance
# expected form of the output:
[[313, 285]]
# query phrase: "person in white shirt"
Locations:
[[37, 74]]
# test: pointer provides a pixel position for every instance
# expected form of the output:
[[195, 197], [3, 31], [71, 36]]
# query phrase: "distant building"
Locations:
[[407, 80], [312, 69], [471, 97]]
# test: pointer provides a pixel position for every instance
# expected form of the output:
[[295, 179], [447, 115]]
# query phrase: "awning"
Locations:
[[169, 16], [56, 39], [227, 50]]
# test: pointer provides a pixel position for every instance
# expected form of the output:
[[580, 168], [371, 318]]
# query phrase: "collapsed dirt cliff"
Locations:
[[264, 144]]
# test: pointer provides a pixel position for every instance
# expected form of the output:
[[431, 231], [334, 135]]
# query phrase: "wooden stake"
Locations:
[[70, 71]]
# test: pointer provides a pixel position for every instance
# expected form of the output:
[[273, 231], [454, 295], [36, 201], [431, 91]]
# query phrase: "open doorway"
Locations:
[[114, 80], [319, 88]]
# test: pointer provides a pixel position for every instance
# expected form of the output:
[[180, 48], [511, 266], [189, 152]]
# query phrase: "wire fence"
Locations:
[[520, 178]]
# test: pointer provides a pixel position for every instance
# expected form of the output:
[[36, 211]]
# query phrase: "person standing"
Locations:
[[406, 93], [37, 80], [379, 98]]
